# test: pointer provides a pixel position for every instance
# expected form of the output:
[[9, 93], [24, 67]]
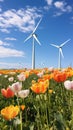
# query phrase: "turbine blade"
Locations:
[[55, 45], [65, 42], [36, 39], [28, 38], [36, 26], [60, 49]]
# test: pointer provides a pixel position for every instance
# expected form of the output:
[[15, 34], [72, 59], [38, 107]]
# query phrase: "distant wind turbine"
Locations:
[[34, 36], [60, 51]]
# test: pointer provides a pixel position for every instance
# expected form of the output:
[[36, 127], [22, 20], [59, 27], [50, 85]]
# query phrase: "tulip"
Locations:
[[23, 93], [68, 85], [21, 77], [40, 87], [5, 76], [16, 87], [8, 93], [60, 76], [40, 74], [11, 79], [51, 69], [10, 112], [22, 107]]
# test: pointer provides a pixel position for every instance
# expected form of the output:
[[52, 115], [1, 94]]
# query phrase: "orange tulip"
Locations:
[[8, 93], [48, 76], [60, 76], [40, 87], [10, 112], [22, 107]]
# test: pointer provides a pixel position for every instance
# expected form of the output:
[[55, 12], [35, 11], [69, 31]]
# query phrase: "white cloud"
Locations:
[[8, 52], [10, 39], [49, 2], [4, 43], [4, 30], [63, 6], [59, 4], [69, 8], [1, 0], [23, 19], [8, 65], [46, 7]]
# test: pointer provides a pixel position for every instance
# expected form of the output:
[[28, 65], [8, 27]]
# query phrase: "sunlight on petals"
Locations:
[[16, 87], [23, 93], [10, 112], [40, 87], [21, 77], [8, 93], [68, 85]]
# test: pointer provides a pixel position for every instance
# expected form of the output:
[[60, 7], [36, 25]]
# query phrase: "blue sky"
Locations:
[[18, 18]]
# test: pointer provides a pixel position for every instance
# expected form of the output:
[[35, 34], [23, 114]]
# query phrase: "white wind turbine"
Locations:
[[34, 36], [60, 51]]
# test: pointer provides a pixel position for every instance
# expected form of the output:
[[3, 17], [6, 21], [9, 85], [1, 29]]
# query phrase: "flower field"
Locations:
[[39, 99]]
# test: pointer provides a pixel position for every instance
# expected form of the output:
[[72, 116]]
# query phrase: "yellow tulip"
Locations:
[[10, 112]]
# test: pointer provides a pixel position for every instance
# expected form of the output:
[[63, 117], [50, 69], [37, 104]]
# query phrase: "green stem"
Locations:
[[10, 124], [17, 100], [20, 113], [48, 107], [10, 127], [21, 118]]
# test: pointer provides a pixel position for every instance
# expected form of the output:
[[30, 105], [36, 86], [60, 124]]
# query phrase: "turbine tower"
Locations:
[[34, 37], [60, 51]]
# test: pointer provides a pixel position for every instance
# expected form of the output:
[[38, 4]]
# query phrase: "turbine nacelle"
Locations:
[[60, 49], [34, 35]]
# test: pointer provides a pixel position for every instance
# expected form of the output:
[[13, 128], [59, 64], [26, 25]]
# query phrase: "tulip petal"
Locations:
[[67, 84]]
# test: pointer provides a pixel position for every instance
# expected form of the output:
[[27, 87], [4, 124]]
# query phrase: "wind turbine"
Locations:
[[60, 51], [34, 36]]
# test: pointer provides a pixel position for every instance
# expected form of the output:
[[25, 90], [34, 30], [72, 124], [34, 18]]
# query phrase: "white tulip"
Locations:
[[68, 85], [16, 87], [23, 93]]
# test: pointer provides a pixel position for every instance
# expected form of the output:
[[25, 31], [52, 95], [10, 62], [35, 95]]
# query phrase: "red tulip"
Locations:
[[60, 76], [8, 93]]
